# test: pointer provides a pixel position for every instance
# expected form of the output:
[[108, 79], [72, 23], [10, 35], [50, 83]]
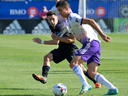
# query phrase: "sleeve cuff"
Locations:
[[81, 21]]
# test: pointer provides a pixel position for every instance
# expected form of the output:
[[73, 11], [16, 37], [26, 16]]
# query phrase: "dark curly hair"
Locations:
[[51, 12], [63, 3]]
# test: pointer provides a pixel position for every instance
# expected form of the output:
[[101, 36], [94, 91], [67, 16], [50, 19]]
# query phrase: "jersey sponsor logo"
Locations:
[[58, 33], [14, 28], [123, 11], [41, 28], [100, 11], [77, 20]]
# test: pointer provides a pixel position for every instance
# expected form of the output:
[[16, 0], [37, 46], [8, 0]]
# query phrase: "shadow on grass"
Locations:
[[28, 95], [18, 89], [54, 72], [112, 71], [62, 72], [102, 71], [19, 95], [23, 89]]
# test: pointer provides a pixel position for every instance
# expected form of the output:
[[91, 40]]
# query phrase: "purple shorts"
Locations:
[[90, 52]]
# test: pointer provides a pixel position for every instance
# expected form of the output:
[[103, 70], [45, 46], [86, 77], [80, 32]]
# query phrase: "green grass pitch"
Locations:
[[20, 57]]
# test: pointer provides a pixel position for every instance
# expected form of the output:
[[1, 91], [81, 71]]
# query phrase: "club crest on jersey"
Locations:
[[58, 33], [77, 20]]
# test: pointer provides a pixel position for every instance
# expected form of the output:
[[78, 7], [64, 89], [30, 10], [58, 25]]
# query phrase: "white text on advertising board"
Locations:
[[17, 12], [90, 11]]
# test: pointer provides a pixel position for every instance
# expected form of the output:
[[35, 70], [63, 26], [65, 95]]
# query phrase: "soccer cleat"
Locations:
[[85, 88], [39, 78], [97, 85], [112, 92]]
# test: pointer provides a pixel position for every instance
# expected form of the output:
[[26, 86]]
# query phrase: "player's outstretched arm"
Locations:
[[70, 39], [94, 25], [50, 42]]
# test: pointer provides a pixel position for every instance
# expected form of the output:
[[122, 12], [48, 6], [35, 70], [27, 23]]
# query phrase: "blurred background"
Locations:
[[23, 16]]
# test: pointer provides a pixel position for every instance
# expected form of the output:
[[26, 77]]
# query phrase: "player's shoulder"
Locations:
[[61, 25], [74, 16]]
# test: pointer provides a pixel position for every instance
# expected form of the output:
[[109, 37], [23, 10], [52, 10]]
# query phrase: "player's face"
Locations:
[[53, 20], [63, 12]]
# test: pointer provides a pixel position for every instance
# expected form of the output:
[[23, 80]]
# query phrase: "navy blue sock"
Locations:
[[45, 70], [87, 74]]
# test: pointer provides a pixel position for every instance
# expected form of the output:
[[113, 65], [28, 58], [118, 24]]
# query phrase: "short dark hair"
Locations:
[[51, 12], [63, 3]]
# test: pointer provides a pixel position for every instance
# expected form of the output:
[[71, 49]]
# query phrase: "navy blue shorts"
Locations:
[[61, 54]]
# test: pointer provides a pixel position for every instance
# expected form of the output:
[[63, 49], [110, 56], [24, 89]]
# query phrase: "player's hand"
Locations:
[[106, 38], [54, 37], [37, 40]]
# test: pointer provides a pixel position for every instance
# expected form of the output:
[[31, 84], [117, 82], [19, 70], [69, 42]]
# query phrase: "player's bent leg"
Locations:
[[47, 59], [92, 70], [77, 60], [79, 72], [97, 85], [46, 65], [39, 78], [92, 67]]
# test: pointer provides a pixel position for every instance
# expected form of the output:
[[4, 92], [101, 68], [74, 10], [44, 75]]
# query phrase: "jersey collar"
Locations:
[[57, 25], [69, 17]]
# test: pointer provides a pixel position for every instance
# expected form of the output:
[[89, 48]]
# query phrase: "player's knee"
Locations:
[[46, 58], [72, 64], [92, 74]]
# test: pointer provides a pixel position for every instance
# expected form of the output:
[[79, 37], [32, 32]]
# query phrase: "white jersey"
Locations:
[[81, 32]]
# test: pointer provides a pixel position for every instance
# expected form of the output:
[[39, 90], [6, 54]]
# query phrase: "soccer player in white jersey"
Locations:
[[91, 49], [64, 20]]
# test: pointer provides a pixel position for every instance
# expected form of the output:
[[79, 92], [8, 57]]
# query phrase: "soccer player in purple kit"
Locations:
[[91, 49], [64, 20]]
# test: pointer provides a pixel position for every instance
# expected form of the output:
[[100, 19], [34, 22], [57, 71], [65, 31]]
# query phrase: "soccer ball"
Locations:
[[60, 89]]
